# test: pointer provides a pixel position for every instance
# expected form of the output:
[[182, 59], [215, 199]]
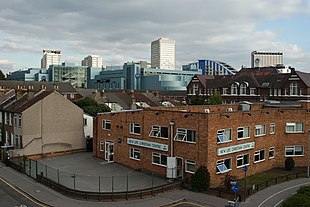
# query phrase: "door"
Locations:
[[109, 151], [179, 167]]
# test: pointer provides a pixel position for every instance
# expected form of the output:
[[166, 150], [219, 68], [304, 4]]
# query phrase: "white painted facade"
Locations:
[[50, 57], [88, 126], [163, 54], [92, 61]]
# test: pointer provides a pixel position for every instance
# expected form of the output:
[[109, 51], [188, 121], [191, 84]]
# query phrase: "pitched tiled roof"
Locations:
[[62, 87], [305, 77]]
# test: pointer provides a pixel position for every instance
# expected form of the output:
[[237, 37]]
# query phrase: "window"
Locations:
[[85, 122], [159, 159], [259, 156], [159, 131], [252, 91], [185, 135], [19, 121], [190, 166], [275, 92], [294, 127], [134, 128], [272, 128], [293, 89], [224, 135], [243, 132], [223, 166], [225, 91], [101, 146], [234, 89], [15, 120], [279, 92], [271, 152], [135, 153], [195, 88], [291, 151], [106, 124], [243, 160], [243, 89], [260, 130], [10, 119]]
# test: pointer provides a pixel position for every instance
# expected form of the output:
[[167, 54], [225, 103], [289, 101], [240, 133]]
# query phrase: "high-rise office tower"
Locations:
[[163, 54], [92, 61], [266, 59], [50, 57]]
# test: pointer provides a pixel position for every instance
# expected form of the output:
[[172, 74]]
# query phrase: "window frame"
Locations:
[[160, 159], [105, 123], [258, 153], [260, 127], [221, 162], [133, 127], [223, 133], [294, 124], [243, 163], [132, 152], [271, 150], [101, 146], [272, 128], [190, 162], [182, 132], [242, 129], [159, 135], [294, 151]]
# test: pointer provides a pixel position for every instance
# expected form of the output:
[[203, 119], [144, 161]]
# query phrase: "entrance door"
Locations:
[[109, 151], [179, 167]]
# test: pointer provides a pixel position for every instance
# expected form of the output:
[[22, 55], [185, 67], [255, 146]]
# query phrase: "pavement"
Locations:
[[45, 195]]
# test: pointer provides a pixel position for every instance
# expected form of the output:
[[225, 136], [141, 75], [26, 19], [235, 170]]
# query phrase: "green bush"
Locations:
[[201, 179], [289, 163]]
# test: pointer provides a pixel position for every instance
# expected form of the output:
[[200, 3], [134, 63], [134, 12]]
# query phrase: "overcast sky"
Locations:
[[122, 30]]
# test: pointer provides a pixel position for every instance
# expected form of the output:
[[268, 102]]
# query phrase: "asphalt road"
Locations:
[[9, 197]]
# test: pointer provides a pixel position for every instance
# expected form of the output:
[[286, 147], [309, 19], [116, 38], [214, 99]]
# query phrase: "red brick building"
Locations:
[[224, 138]]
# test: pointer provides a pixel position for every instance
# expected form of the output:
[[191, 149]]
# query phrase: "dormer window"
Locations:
[[234, 89], [294, 89], [243, 87]]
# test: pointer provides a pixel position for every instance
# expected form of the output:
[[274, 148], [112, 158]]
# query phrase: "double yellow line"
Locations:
[[22, 193]]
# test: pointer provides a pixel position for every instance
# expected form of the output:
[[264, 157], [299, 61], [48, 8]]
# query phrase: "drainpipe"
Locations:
[[171, 137]]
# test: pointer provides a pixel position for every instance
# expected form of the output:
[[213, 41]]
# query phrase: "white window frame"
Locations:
[[182, 135], [241, 157], [190, 163], [101, 146], [252, 91], [156, 132], [271, 150], [293, 89], [133, 152], [195, 88], [160, 159], [272, 129], [221, 167], [224, 135], [105, 123], [133, 127], [243, 130], [258, 153], [293, 148], [225, 90], [243, 87], [234, 89], [261, 129], [294, 125]]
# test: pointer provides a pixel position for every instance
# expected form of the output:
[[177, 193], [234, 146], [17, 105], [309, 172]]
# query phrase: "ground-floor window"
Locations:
[[159, 159], [291, 151], [271, 152], [243, 160], [259, 156], [223, 166], [135, 153], [101, 146], [190, 166]]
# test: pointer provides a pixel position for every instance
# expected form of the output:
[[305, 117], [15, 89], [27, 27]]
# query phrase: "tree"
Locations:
[[289, 163], [2, 76], [201, 179], [215, 99], [91, 107]]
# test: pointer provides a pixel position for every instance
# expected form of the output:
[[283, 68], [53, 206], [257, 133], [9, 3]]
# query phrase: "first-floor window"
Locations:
[[159, 131], [272, 128], [243, 132], [223, 166], [190, 166], [101, 146], [106, 124], [243, 160], [159, 159], [134, 128], [259, 156], [260, 130], [224, 135], [271, 152], [291, 151], [185, 135], [135, 153]]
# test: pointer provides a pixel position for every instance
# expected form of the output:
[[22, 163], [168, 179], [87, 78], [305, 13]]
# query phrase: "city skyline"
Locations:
[[121, 31]]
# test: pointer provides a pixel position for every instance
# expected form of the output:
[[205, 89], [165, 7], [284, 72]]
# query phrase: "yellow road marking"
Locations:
[[194, 204], [22, 193]]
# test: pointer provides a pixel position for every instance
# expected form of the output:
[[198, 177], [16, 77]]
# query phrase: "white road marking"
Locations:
[[278, 203], [281, 192]]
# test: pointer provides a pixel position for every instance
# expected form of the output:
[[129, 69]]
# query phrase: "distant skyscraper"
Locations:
[[266, 59], [92, 61], [163, 54], [50, 57]]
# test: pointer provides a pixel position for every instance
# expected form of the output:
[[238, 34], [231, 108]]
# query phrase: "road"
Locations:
[[10, 196]]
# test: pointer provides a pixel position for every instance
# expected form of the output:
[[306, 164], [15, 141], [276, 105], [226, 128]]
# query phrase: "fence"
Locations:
[[91, 187]]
